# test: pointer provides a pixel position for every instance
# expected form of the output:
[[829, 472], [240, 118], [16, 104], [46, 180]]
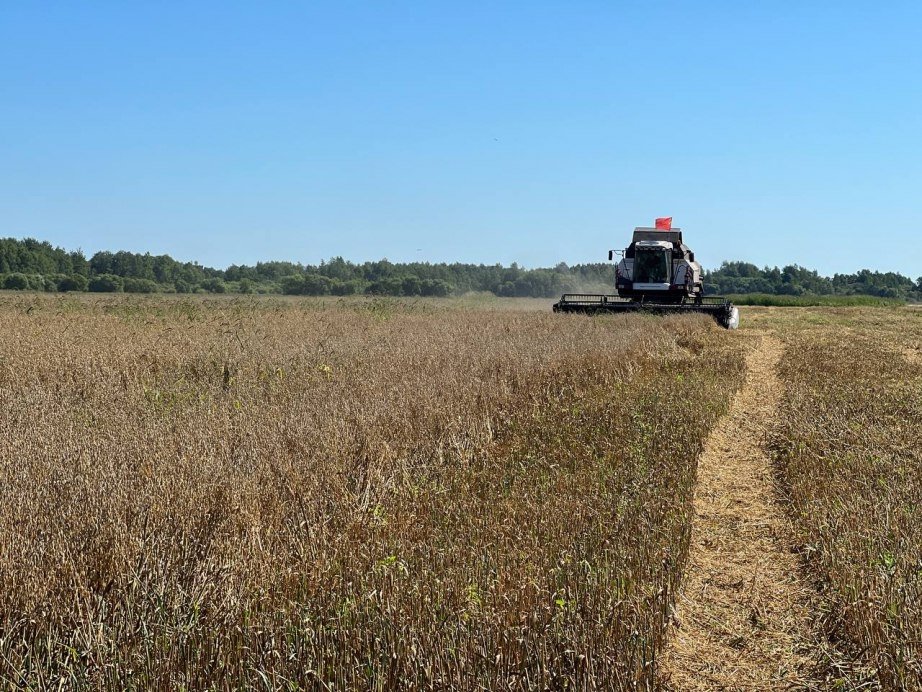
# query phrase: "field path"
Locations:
[[743, 619]]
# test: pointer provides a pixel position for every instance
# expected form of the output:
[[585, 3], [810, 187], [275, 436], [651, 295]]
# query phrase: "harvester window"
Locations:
[[651, 266]]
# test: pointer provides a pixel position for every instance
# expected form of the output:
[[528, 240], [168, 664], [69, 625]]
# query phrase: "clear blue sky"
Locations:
[[537, 132]]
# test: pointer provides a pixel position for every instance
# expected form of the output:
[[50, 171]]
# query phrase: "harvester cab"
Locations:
[[657, 265], [657, 273], [652, 266]]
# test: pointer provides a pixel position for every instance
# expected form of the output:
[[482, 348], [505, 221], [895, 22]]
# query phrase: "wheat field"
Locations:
[[848, 448], [344, 495], [437, 494]]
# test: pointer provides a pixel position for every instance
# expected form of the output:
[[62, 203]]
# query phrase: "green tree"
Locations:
[[74, 282], [293, 284], [391, 286], [411, 286], [133, 285], [316, 285], [435, 287], [106, 283], [214, 285], [16, 282], [347, 288]]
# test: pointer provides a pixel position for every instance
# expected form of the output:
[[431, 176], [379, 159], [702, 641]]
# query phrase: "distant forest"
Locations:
[[38, 266]]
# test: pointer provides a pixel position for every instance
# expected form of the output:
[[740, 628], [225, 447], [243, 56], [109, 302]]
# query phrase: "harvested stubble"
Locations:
[[849, 450], [362, 496]]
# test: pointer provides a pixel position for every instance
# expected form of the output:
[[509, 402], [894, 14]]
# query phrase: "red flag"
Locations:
[[664, 223]]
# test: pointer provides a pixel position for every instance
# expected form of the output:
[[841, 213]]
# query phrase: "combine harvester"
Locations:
[[657, 273]]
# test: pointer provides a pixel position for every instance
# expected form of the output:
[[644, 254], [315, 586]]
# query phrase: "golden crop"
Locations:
[[357, 495], [849, 452]]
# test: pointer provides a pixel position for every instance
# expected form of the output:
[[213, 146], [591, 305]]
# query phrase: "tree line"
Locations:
[[793, 280], [35, 265]]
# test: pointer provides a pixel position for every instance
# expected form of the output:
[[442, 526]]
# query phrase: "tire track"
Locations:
[[743, 619]]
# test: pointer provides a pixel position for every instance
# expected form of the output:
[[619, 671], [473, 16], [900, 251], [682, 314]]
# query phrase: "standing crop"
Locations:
[[344, 495], [849, 451]]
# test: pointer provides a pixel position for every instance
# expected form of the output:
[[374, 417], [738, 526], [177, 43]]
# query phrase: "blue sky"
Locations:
[[538, 132]]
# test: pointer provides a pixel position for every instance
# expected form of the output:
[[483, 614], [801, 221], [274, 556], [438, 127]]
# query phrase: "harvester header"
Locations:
[[657, 273]]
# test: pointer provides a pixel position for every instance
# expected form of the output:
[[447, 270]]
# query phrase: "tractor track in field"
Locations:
[[743, 618]]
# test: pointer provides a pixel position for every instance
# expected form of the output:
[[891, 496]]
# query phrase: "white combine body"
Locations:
[[657, 273], [658, 265]]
